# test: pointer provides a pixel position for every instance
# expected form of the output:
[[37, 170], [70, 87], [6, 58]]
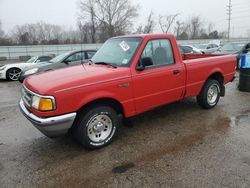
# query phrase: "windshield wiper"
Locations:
[[105, 63]]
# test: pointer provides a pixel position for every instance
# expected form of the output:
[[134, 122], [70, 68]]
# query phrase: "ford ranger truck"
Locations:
[[129, 75]]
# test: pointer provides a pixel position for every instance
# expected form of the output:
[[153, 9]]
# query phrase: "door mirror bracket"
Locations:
[[144, 62]]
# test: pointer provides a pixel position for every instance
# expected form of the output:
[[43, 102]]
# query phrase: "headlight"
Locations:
[[43, 103], [2, 68], [31, 71]]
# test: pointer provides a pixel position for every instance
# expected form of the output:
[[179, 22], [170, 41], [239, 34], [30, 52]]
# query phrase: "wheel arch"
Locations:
[[13, 68], [217, 75], [116, 105]]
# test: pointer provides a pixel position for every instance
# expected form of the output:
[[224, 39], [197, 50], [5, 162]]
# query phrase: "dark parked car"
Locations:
[[60, 61], [233, 48], [230, 48]]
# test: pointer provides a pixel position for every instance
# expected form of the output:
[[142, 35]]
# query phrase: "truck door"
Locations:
[[161, 83]]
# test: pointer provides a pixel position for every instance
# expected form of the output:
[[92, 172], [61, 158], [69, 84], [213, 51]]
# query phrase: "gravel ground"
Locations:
[[179, 145]]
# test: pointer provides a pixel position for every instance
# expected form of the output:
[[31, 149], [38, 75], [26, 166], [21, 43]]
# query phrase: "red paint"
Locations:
[[197, 56], [76, 86]]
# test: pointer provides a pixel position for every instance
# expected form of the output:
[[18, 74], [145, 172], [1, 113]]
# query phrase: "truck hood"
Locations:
[[73, 77]]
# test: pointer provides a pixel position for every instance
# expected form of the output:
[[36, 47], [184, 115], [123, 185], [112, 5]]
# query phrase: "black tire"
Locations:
[[86, 121], [13, 74], [203, 99]]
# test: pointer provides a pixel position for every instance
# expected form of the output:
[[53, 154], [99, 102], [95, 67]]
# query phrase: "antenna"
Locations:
[[229, 13]]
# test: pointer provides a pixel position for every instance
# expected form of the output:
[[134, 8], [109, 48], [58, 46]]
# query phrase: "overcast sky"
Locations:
[[64, 12]]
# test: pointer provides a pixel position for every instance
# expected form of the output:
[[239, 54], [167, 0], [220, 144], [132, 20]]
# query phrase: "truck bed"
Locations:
[[196, 75]]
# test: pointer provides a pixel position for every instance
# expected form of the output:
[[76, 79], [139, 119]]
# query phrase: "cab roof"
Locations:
[[145, 36]]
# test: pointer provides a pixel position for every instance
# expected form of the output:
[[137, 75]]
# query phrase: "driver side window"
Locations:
[[160, 51]]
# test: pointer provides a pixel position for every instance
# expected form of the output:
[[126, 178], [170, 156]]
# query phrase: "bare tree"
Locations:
[[87, 16], [86, 33], [38, 33], [194, 27], [1, 30], [166, 22], [210, 27], [179, 29], [116, 16], [4, 40], [149, 27], [223, 34], [213, 34], [108, 17]]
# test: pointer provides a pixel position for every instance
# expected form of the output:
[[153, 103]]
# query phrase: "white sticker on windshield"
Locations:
[[124, 46], [125, 61]]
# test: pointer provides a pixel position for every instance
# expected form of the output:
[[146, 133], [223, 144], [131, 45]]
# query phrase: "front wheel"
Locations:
[[96, 127], [13, 74], [210, 94]]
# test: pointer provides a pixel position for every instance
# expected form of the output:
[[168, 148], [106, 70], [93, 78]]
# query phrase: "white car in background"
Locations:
[[188, 49], [207, 48], [12, 71]]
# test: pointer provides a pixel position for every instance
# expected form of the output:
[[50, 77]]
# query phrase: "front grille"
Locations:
[[27, 97]]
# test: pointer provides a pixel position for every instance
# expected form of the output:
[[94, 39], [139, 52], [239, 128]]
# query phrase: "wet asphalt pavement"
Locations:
[[179, 145]]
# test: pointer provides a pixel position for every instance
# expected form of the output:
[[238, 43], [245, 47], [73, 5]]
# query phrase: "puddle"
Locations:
[[246, 160], [235, 121], [179, 145], [123, 168], [2, 119], [223, 123]]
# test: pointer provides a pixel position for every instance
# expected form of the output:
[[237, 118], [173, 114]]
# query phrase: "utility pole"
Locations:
[[229, 13]]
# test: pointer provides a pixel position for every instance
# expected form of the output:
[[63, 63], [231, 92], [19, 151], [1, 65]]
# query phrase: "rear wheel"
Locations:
[[13, 74], [210, 94], [96, 127]]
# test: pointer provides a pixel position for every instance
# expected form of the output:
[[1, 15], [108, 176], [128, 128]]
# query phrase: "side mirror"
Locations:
[[145, 62], [66, 61]]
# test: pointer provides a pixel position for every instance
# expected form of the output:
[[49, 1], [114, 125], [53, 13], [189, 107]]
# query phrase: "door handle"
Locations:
[[176, 72]]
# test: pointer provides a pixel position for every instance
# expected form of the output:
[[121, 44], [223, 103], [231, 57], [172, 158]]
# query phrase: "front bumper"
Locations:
[[51, 127], [2, 75]]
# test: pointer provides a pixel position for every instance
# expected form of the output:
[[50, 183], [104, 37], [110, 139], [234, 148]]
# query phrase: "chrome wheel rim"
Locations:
[[99, 128], [14, 74], [212, 95]]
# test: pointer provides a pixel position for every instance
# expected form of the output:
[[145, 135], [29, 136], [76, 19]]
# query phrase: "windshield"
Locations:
[[59, 58], [117, 51], [231, 47], [32, 60]]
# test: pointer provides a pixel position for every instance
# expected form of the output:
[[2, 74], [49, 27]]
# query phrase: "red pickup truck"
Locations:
[[129, 75]]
